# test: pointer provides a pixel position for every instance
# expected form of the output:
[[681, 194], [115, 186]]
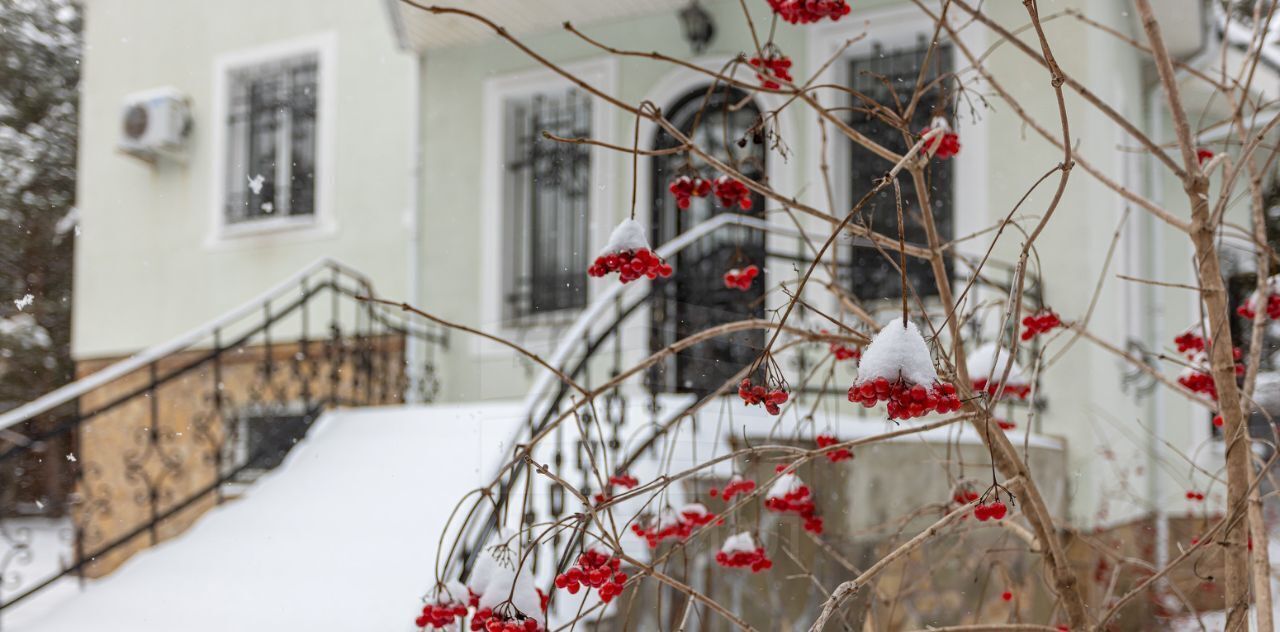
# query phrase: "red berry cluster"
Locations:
[[1203, 155], [737, 486], [809, 11], [772, 399], [1195, 496], [732, 193], [964, 496], [1197, 380], [1190, 341], [672, 526], [630, 265], [756, 560], [440, 615], [489, 621], [797, 500], [835, 456], [736, 279], [1006, 425], [625, 481], [842, 351], [1218, 421], [994, 510], [1006, 595], [685, 189], [1247, 308], [596, 570], [947, 143], [779, 66], [906, 400], [1020, 391], [1039, 322]]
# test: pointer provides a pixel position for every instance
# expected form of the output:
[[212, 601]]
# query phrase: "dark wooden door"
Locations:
[[695, 297]]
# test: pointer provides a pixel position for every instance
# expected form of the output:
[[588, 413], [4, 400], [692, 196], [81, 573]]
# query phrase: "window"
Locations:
[[546, 193], [271, 140], [889, 78], [263, 439]]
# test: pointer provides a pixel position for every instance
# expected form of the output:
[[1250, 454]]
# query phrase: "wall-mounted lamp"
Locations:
[[699, 30]]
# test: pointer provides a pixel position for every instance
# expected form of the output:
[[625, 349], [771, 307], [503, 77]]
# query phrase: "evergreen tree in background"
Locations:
[[39, 73]]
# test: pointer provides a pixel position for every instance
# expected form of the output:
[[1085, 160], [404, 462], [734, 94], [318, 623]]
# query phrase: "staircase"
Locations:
[[135, 452]]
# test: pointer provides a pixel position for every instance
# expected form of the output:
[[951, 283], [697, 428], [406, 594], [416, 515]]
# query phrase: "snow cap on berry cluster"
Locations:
[[786, 484], [452, 591], [895, 352], [627, 236], [988, 361], [487, 563], [520, 587], [739, 543], [940, 122]]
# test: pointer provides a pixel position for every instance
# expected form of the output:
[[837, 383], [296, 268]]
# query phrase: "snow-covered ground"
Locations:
[[342, 537]]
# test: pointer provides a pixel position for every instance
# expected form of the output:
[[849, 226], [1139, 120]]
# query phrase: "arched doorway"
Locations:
[[695, 298]]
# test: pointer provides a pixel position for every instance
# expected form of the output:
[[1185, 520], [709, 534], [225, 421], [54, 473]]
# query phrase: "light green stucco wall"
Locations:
[[144, 269]]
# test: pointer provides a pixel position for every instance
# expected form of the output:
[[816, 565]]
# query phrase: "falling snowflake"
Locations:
[[71, 457], [255, 183], [24, 302], [268, 207]]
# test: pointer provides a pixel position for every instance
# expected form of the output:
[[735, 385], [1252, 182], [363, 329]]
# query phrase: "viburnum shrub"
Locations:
[[1039, 322], [789, 494], [1249, 307], [986, 366], [740, 551], [597, 569], [946, 143], [448, 605], [628, 254], [685, 188], [835, 456], [732, 193], [773, 66], [896, 368], [736, 486], [809, 11], [741, 279]]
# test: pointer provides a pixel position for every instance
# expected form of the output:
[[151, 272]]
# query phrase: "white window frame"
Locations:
[[601, 199], [896, 27], [261, 231]]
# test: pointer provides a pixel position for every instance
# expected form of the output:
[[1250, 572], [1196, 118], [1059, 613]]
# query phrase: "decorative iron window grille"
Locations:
[[261, 440], [889, 78], [545, 199], [271, 140]]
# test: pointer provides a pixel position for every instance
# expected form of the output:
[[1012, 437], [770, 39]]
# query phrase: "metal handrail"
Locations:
[[87, 384]]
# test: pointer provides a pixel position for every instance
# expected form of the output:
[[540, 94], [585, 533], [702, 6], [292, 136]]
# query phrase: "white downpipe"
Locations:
[[1157, 406], [414, 349]]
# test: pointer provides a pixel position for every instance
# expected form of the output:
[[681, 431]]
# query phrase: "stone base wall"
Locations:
[[152, 461]]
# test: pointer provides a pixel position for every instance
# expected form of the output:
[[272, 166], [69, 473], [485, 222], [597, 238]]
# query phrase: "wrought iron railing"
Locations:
[[135, 452], [609, 336]]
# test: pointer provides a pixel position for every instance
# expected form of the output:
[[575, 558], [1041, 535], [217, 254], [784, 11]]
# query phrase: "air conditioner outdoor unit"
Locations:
[[155, 124]]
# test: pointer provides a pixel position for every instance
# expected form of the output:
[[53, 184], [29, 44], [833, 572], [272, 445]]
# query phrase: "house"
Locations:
[[412, 147]]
